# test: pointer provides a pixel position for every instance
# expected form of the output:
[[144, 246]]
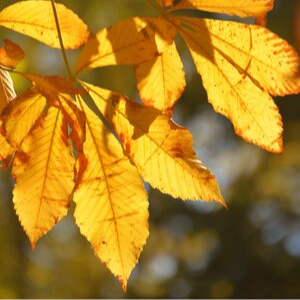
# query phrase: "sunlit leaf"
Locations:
[[52, 86], [111, 203], [161, 150], [161, 81], [5, 148], [35, 19], [44, 174], [130, 41], [261, 55], [75, 118], [21, 114], [230, 90]]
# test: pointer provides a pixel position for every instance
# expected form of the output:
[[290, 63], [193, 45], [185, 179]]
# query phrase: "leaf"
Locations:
[[44, 174], [261, 55], [21, 114], [111, 203], [231, 92], [36, 19], [52, 86], [241, 8], [5, 148], [161, 150], [11, 54], [7, 91], [75, 118], [130, 41], [161, 81]]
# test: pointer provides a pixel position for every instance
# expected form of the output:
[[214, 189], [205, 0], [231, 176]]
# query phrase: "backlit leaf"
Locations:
[[241, 8], [130, 41], [5, 148], [161, 81], [161, 150], [261, 55], [44, 174], [75, 118], [111, 203], [52, 86], [35, 19], [231, 92], [21, 114]]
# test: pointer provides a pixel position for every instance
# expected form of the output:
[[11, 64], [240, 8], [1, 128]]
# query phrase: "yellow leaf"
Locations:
[[241, 8], [57, 91], [44, 174], [161, 81], [11, 54], [7, 91], [36, 19], [75, 118], [161, 150], [130, 41], [21, 114], [231, 92], [261, 55], [5, 148], [111, 203]]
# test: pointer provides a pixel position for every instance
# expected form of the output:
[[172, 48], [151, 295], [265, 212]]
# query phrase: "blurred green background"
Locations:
[[195, 250]]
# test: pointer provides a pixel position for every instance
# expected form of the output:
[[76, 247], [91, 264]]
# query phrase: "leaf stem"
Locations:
[[155, 6], [62, 48], [12, 71]]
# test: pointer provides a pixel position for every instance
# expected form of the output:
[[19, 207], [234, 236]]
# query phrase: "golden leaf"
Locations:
[[161, 150], [161, 81], [130, 41], [21, 114], [7, 91], [75, 118], [44, 174], [52, 86], [230, 90], [36, 19], [241, 8], [111, 203], [261, 55], [11, 54], [5, 148]]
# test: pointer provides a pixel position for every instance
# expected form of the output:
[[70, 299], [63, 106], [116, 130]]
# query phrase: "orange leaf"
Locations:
[[11, 54]]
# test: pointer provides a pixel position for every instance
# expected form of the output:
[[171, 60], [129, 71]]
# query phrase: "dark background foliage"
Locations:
[[195, 250]]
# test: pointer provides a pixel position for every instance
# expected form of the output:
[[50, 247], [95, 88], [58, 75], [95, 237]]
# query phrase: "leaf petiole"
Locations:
[[62, 48], [155, 6]]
